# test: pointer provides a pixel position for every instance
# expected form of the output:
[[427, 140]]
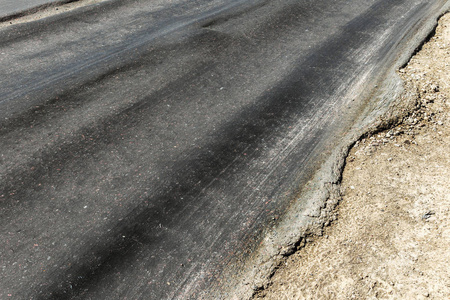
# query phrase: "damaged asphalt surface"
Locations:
[[146, 146]]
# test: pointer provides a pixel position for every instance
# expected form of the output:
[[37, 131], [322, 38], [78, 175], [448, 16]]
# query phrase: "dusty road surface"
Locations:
[[9, 7], [155, 149], [391, 239]]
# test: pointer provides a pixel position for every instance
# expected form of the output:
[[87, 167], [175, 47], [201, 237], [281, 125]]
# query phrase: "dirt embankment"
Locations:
[[392, 236]]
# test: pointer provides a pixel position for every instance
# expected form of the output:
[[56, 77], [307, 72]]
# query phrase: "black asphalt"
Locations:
[[146, 145]]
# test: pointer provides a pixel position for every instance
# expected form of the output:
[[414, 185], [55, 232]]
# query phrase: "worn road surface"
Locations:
[[146, 146], [12, 7]]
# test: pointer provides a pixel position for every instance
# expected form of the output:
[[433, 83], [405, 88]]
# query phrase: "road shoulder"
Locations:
[[391, 237]]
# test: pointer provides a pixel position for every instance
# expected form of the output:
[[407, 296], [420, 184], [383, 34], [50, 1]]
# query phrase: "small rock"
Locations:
[[427, 215]]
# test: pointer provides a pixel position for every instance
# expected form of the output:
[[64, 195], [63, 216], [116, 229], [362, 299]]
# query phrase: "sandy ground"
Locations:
[[391, 239]]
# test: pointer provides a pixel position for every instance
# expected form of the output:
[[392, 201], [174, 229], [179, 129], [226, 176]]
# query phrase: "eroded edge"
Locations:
[[395, 102]]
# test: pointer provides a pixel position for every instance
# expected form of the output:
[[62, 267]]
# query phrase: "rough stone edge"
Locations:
[[323, 191]]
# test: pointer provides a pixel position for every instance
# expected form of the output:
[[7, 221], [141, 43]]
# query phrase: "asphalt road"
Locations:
[[147, 145], [12, 7]]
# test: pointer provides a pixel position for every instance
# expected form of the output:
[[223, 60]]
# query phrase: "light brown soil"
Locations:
[[392, 236]]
